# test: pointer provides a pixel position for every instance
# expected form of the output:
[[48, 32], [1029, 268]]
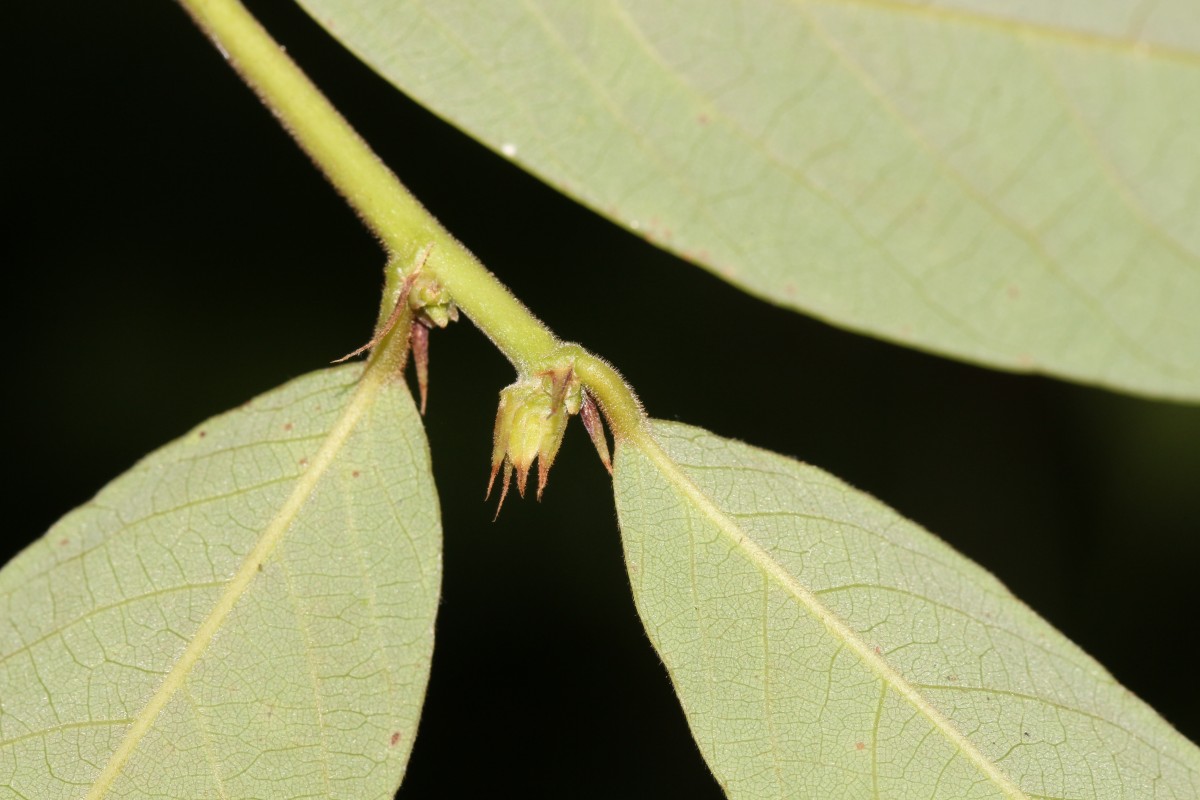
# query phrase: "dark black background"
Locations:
[[171, 253]]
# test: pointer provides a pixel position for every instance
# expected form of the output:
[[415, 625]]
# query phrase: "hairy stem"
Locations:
[[402, 224]]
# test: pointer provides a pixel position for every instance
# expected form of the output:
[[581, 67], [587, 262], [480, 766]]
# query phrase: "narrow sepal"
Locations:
[[551, 442], [492, 478], [522, 478], [508, 470]]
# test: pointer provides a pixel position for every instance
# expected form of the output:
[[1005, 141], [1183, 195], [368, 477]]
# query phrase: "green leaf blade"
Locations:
[[822, 646], [248, 612], [1001, 184]]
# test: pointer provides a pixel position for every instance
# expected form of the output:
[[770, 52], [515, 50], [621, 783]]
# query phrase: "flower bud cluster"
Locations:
[[431, 303], [530, 424], [431, 306]]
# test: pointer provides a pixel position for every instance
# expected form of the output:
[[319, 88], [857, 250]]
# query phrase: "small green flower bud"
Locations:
[[431, 302]]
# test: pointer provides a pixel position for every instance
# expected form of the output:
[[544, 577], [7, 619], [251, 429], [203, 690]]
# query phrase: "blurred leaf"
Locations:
[[822, 646], [1013, 184], [248, 612]]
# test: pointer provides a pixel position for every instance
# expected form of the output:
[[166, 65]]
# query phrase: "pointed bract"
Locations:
[[419, 341], [392, 319], [594, 425]]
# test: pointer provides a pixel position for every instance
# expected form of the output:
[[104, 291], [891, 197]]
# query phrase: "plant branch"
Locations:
[[402, 224]]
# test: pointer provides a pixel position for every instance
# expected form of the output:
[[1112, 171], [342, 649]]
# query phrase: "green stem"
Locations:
[[396, 217]]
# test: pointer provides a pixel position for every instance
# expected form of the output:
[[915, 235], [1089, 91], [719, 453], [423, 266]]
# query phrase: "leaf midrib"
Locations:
[[365, 392], [773, 570]]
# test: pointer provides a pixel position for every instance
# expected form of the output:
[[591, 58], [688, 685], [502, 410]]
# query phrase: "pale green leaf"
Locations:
[[247, 613], [824, 647], [1011, 183]]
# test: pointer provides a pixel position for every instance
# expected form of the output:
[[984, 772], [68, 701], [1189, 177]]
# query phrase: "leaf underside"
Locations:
[[248, 612], [822, 646], [1012, 184]]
